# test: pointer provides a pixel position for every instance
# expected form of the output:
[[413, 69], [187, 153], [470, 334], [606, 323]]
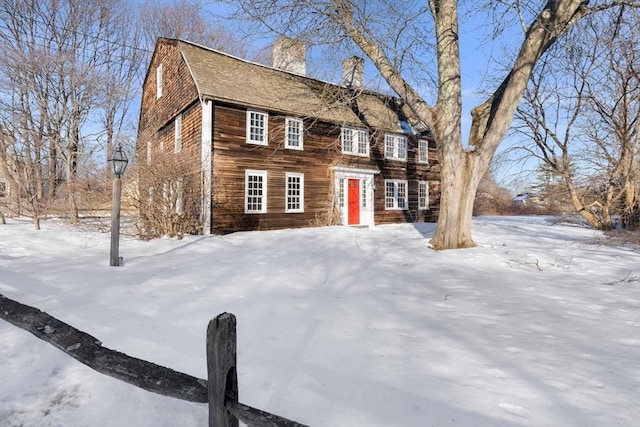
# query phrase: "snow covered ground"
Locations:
[[539, 325]]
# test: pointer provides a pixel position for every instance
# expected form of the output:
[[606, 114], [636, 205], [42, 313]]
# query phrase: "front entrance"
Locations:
[[353, 201], [354, 195]]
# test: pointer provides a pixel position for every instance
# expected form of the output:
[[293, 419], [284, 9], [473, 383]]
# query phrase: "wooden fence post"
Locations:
[[221, 369]]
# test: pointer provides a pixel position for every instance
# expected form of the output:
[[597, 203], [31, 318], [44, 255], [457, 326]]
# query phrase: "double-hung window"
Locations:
[[395, 194], [159, 81], [395, 147], [423, 151], [423, 195], [293, 133], [177, 134], [295, 192], [355, 142], [255, 190], [257, 127]]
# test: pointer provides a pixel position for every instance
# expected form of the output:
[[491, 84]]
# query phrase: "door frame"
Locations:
[[366, 177]]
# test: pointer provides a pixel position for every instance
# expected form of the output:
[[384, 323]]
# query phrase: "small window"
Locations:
[[179, 195], [395, 194], [177, 134], [255, 191], [423, 151], [355, 142], [395, 147], [341, 193], [423, 195], [159, 81], [295, 192], [149, 152], [363, 192], [4, 189], [293, 133], [257, 127]]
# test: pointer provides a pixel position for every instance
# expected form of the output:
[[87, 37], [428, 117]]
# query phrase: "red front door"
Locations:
[[353, 201]]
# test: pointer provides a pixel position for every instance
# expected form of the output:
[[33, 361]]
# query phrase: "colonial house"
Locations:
[[267, 147]]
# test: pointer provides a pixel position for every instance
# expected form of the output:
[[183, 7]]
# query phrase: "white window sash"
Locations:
[[255, 191], [355, 142], [159, 81], [395, 147], [396, 199], [177, 136], [423, 151], [257, 127], [293, 127], [423, 195], [294, 197]]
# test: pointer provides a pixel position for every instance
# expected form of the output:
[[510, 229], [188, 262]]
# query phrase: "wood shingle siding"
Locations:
[[194, 76]]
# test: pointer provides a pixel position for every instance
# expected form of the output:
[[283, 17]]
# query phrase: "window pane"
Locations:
[[388, 146], [347, 141], [389, 194], [423, 151], [294, 192], [402, 148], [402, 195], [363, 145]]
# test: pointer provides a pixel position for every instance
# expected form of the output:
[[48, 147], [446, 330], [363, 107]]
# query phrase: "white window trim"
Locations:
[[149, 152], [4, 192], [425, 206], [266, 128], [159, 81], [396, 197], [287, 143], [396, 140], [263, 174], [424, 142], [286, 195], [177, 134], [355, 142]]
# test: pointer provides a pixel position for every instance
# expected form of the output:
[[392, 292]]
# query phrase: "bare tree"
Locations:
[[65, 63], [387, 33], [581, 110], [186, 19]]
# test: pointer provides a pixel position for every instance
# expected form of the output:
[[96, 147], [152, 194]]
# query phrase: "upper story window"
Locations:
[[293, 129], [177, 134], [395, 194], [395, 147], [149, 152], [255, 190], [257, 127], [423, 151], [423, 195], [295, 192], [355, 142], [159, 81]]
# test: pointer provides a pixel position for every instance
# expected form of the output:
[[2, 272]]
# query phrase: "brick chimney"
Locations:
[[289, 55], [353, 72]]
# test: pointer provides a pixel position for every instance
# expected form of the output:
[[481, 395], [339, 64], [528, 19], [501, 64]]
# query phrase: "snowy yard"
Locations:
[[537, 326]]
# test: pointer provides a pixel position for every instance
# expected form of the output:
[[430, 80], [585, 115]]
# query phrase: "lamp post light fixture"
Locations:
[[118, 162]]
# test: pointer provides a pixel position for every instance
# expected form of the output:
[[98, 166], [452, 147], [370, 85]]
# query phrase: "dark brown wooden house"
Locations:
[[266, 147]]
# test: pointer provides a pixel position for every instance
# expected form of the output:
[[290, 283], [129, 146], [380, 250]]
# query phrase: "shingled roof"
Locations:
[[222, 77]]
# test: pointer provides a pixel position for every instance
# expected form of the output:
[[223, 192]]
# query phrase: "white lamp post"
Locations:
[[118, 162]]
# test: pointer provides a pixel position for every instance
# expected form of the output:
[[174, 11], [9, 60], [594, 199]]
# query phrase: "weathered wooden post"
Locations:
[[221, 369]]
